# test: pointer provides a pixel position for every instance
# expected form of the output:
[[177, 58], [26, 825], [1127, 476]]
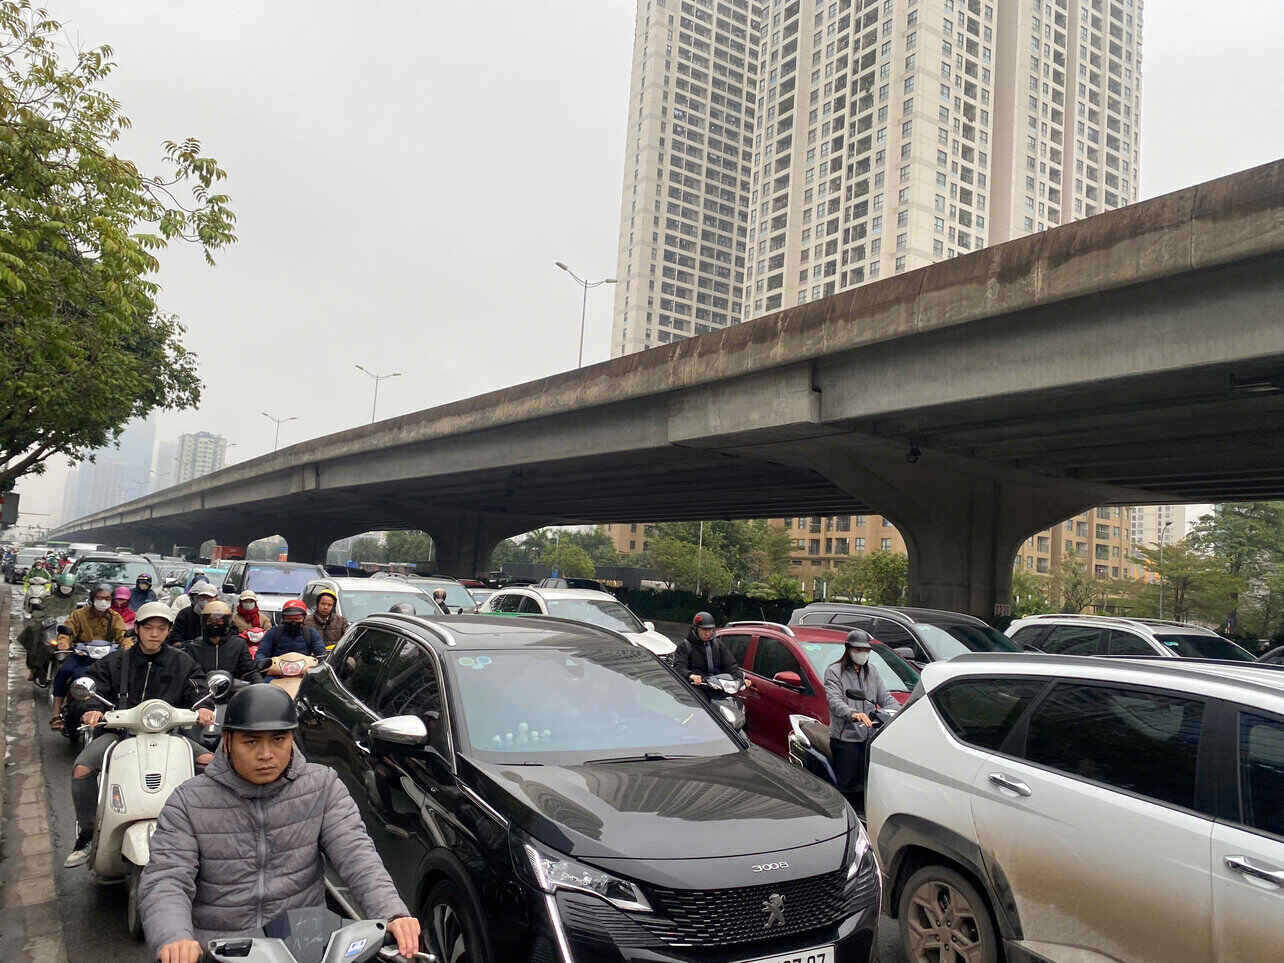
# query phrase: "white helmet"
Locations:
[[154, 610], [205, 589]]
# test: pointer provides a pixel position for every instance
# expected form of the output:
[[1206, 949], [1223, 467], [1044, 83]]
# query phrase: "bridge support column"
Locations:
[[962, 523], [308, 545], [464, 541]]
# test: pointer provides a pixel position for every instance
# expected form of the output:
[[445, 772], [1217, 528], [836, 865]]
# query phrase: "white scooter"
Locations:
[[137, 776]]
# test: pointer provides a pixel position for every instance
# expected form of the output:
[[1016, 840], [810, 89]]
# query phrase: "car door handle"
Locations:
[[1256, 869], [1010, 784]]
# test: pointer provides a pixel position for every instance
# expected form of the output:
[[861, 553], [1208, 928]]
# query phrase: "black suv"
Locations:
[[919, 636], [543, 790]]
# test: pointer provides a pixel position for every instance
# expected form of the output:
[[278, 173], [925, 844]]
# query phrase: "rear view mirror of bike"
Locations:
[[83, 688]]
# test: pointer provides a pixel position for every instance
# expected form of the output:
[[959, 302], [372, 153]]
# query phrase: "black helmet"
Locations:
[[403, 608], [703, 620], [860, 638], [261, 708]]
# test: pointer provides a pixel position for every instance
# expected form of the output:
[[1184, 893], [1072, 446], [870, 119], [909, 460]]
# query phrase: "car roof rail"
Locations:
[[775, 625]]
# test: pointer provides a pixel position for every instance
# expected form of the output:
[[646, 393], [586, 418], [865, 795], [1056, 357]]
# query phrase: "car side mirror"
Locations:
[[904, 651], [790, 680], [649, 626], [398, 734]]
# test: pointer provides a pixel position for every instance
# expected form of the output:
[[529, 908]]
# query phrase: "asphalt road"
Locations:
[[94, 916]]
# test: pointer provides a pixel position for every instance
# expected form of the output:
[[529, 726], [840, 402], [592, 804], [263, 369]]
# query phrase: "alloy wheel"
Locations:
[[943, 926], [445, 935]]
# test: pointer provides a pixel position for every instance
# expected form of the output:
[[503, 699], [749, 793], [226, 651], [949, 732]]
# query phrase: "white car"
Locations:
[[1042, 807], [1110, 635], [583, 605]]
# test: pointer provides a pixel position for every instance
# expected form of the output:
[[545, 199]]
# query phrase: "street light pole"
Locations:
[[1162, 532], [377, 378], [586, 285], [276, 438]]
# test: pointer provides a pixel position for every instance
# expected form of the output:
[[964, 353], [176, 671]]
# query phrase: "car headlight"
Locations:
[[857, 847], [156, 718], [550, 871]]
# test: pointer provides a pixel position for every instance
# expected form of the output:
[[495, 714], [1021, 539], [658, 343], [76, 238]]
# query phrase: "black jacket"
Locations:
[[187, 626], [127, 677], [689, 659], [233, 655]]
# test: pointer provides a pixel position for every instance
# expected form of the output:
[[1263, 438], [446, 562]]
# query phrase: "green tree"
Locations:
[[408, 546], [369, 548], [84, 348], [750, 550], [780, 587], [880, 578], [1196, 586], [569, 560], [1031, 594], [597, 543], [1074, 587], [1247, 539], [687, 566]]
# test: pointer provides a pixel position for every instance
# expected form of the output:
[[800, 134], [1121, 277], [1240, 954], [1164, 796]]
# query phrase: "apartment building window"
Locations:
[[1069, 547], [813, 546], [1045, 544], [1042, 565], [843, 523], [858, 545], [841, 546], [885, 545], [859, 521]]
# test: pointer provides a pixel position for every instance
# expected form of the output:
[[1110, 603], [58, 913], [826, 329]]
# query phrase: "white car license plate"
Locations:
[[817, 954]]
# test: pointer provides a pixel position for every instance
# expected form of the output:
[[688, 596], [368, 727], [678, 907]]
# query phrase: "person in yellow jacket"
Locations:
[[96, 621]]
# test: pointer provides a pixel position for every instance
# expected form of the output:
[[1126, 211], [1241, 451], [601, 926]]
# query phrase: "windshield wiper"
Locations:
[[644, 757]]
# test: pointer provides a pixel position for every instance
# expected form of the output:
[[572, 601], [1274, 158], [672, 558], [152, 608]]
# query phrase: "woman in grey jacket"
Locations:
[[855, 694], [242, 843]]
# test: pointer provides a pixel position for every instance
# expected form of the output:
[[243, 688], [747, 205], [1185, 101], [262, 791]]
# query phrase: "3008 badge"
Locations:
[[770, 867]]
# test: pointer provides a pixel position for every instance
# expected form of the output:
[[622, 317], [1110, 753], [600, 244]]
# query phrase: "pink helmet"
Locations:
[[122, 592]]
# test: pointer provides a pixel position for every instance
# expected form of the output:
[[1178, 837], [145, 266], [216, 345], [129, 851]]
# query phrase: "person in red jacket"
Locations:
[[120, 605]]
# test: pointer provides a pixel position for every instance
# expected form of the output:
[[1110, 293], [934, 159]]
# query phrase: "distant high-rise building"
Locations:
[[163, 471], [685, 212], [118, 473], [198, 454]]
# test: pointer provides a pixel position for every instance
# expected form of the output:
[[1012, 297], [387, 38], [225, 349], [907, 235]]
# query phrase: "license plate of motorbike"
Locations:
[[817, 954]]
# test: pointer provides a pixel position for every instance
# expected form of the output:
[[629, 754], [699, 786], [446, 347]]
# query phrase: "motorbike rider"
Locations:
[[856, 694], [258, 787], [97, 621], [291, 635], [127, 677], [219, 647], [248, 615], [59, 605], [142, 592], [326, 620], [187, 624], [700, 654], [120, 605]]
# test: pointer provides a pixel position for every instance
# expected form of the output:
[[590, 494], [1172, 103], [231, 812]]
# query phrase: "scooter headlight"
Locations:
[[156, 718]]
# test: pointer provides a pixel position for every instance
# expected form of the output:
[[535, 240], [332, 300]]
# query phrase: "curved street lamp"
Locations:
[[586, 285]]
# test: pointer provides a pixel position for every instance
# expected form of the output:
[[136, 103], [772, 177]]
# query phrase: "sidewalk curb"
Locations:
[[31, 926]]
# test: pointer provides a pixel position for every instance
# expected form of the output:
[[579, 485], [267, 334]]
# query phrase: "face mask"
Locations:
[[64, 589], [102, 605], [249, 606], [293, 628], [858, 656], [216, 630], [198, 605]]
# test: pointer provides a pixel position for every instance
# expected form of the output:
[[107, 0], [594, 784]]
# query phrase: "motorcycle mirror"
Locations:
[[83, 688], [219, 683], [649, 626]]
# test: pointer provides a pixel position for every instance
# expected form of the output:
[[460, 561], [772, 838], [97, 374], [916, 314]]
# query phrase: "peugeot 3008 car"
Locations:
[[544, 790]]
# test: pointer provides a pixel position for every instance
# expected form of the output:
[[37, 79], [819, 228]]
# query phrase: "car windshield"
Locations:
[[279, 580], [358, 603], [956, 638], [570, 705], [30, 555], [481, 595], [897, 674], [607, 613], [112, 570], [1204, 647], [457, 596]]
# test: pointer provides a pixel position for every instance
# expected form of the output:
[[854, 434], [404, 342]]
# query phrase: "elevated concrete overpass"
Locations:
[[1134, 357]]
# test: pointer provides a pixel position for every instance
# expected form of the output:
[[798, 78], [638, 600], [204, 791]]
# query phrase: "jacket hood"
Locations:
[[221, 771]]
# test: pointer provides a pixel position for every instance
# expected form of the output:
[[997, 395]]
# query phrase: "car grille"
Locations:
[[153, 780]]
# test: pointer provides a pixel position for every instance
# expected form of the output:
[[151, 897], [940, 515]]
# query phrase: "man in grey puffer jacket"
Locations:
[[242, 843]]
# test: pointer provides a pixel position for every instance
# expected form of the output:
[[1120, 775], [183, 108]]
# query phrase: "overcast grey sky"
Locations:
[[405, 174]]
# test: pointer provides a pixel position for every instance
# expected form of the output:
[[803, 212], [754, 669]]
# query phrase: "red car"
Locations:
[[788, 666]]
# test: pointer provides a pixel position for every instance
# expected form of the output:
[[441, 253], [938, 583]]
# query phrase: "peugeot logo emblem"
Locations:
[[774, 907]]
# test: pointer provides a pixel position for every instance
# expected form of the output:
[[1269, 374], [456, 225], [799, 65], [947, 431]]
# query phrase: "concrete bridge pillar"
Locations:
[[962, 523], [307, 545], [464, 540]]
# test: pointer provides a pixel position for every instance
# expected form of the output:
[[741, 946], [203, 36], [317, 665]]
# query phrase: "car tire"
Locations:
[[452, 930], [940, 908]]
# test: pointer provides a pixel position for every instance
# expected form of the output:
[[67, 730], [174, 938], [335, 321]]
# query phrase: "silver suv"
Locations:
[[1108, 635], [1034, 807]]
